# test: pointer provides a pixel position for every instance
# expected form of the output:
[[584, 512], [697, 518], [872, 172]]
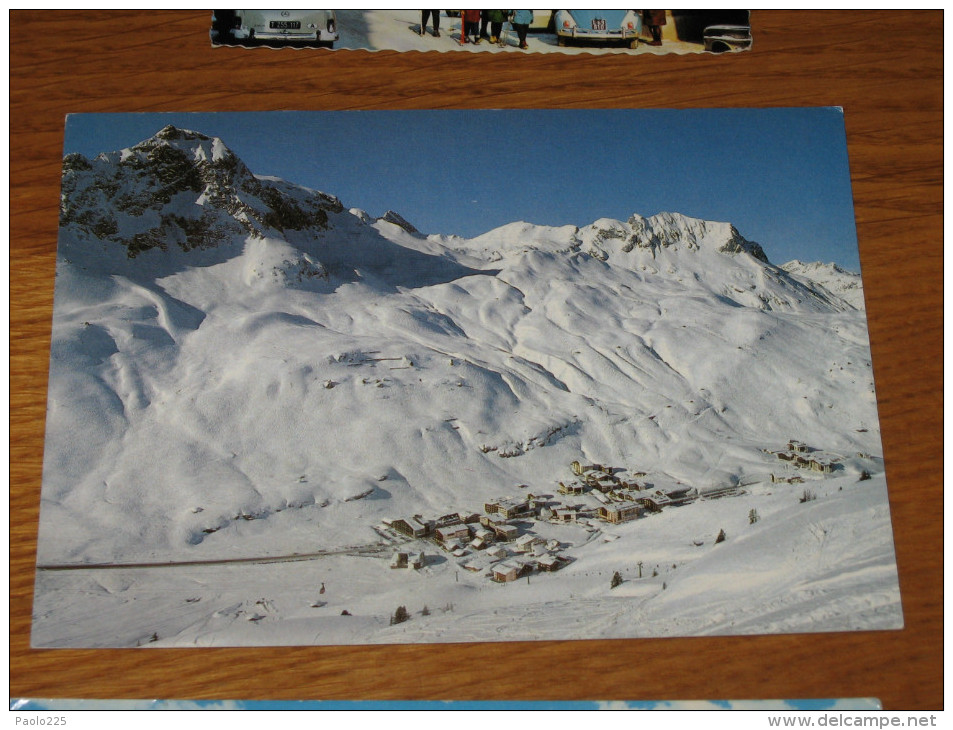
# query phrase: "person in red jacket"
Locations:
[[654, 19], [471, 25]]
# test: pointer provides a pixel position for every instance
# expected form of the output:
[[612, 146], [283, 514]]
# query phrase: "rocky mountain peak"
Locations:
[[398, 220], [172, 133], [666, 230], [181, 188]]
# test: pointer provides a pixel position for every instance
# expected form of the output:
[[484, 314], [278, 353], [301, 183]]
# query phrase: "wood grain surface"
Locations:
[[890, 85]]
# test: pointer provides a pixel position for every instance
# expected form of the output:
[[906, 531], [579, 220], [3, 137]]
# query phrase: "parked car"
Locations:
[[721, 38], [285, 26], [603, 26]]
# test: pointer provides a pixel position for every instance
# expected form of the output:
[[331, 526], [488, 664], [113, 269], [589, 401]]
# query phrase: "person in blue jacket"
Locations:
[[521, 21]]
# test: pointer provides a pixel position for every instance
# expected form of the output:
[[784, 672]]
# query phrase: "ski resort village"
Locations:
[[274, 419], [514, 536]]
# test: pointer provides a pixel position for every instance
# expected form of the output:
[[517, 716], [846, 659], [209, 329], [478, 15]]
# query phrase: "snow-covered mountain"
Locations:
[[243, 367], [845, 284]]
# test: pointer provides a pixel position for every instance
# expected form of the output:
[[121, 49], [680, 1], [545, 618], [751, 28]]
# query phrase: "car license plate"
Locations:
[[598, 23], [285, 25]]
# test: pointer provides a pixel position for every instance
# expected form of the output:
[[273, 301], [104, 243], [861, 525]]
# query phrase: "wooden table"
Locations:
[[884, 68]]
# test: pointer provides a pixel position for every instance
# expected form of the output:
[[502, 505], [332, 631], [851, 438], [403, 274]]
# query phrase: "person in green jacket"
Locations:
[[497, 18]]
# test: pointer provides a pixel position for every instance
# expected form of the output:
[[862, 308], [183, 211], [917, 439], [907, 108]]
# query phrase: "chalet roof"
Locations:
[[622, 507], [453, 529]]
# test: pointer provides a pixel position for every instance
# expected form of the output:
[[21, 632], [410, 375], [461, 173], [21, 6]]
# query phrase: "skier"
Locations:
[[424, 15], [471, 26], [521, 20], [497, 18]]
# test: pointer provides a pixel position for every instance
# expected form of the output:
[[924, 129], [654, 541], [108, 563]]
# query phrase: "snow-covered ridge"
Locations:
[[185, 191], [845, 284]]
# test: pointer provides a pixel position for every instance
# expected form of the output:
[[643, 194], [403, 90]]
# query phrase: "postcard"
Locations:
[[416, 706], [376, 377], [488, 31]]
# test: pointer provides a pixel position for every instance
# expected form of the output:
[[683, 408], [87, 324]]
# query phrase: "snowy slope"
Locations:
[[243, 368]]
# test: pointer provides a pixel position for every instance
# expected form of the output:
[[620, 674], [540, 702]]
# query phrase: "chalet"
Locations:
[[574, 488], [634, 485], [526, 543], [616, 513], [580, 469], [798, 446], [506, 572], [652, 502], [565, 514], [497, 552], [452, 532], [400, 560], [550, 563], [452, 546], [491, 521], [412, 527], [418, 560], [454, 518], [506, 532], [603, 481], [510, 508], [481, 533], [813, 463], [457, 518]]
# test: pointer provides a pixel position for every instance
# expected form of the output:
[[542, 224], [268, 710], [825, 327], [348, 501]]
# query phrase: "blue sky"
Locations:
[[780, 176]]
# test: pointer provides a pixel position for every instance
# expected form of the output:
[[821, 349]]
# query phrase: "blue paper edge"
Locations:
[[810, 705]]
